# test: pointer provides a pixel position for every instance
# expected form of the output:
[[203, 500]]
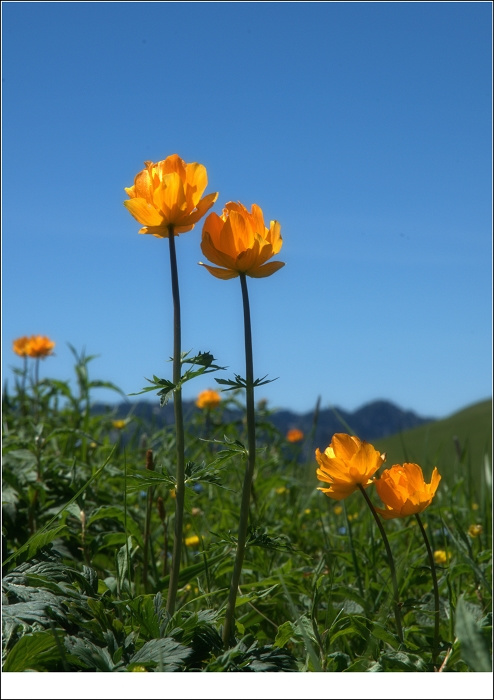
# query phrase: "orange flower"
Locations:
[[168, 193], [209, 398], [19, 346], [40, 346], [239, 243], [347, 463], [403, 490], [35, 346], [294, 435]]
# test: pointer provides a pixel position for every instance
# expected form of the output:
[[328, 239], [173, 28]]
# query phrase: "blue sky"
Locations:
[[364, 128]]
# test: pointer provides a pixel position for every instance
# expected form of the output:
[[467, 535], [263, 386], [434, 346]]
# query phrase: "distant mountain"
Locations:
[[375, 420]]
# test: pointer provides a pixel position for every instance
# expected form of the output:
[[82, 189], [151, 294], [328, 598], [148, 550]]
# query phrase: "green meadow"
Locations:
[[88, 527]]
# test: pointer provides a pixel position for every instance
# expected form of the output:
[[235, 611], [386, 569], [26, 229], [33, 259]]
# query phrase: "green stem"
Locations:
[[390, 562], [179, 431], [147, 523], [249, 471], [435, 647], [354, 554]]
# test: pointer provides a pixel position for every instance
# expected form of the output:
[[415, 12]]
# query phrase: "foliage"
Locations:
[[87, 536]]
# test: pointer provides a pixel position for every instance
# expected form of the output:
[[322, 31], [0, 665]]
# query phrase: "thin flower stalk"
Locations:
[[147, 522], [249, 471], [390, 562], [430, 554], [179, 431]]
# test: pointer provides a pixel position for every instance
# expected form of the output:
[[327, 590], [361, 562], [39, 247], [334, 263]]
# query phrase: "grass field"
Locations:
[[88, 529], [460, 443]]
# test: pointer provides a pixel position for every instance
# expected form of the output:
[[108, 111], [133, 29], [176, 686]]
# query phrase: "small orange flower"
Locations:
[[294, 435], [403, 490], [19, 346], [209, 398], [475, 530], [347, 463], [239, 242], [168, 193], [34, 346]]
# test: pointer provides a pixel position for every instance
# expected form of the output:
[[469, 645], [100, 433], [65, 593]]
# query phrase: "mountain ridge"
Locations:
[[374, 420]]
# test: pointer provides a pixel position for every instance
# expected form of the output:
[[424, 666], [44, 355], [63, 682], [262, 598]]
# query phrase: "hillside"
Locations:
[[457, 445]]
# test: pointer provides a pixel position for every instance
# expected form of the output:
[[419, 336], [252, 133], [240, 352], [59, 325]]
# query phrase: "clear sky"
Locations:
[[364, 128]]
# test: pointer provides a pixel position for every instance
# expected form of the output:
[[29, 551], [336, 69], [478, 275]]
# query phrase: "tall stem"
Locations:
[[435, 646], [179, 431], [390, 562], [249, 471]]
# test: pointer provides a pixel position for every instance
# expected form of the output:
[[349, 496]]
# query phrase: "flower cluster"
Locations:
[[168, 195], [349, 463], [36, 346]]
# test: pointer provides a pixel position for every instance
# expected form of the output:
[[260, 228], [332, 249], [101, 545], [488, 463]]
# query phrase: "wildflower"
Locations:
[[168, 193], [440, 556], [19, 346], [475, 506], [239, 242], [294, 435], [119, 424], [173, 493], [35, 346], [192, 541], [347, 463], [209, 398], [475, 530], [338, 510], [281, 490], [403, 490], [139, 669], [196, 511], [307, 511]]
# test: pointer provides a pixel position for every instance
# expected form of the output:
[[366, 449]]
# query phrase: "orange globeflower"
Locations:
[[239, 242], [19, 346], [403, 490], [168, 193], [294, 435], [347, 463], [34, 346], [209, 398]]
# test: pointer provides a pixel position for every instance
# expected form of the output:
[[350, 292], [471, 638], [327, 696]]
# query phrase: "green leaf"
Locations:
[[41, 539], [32, 652], [285, 632], [166, 654], [86, 654], [379, 632], [473, 647]]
